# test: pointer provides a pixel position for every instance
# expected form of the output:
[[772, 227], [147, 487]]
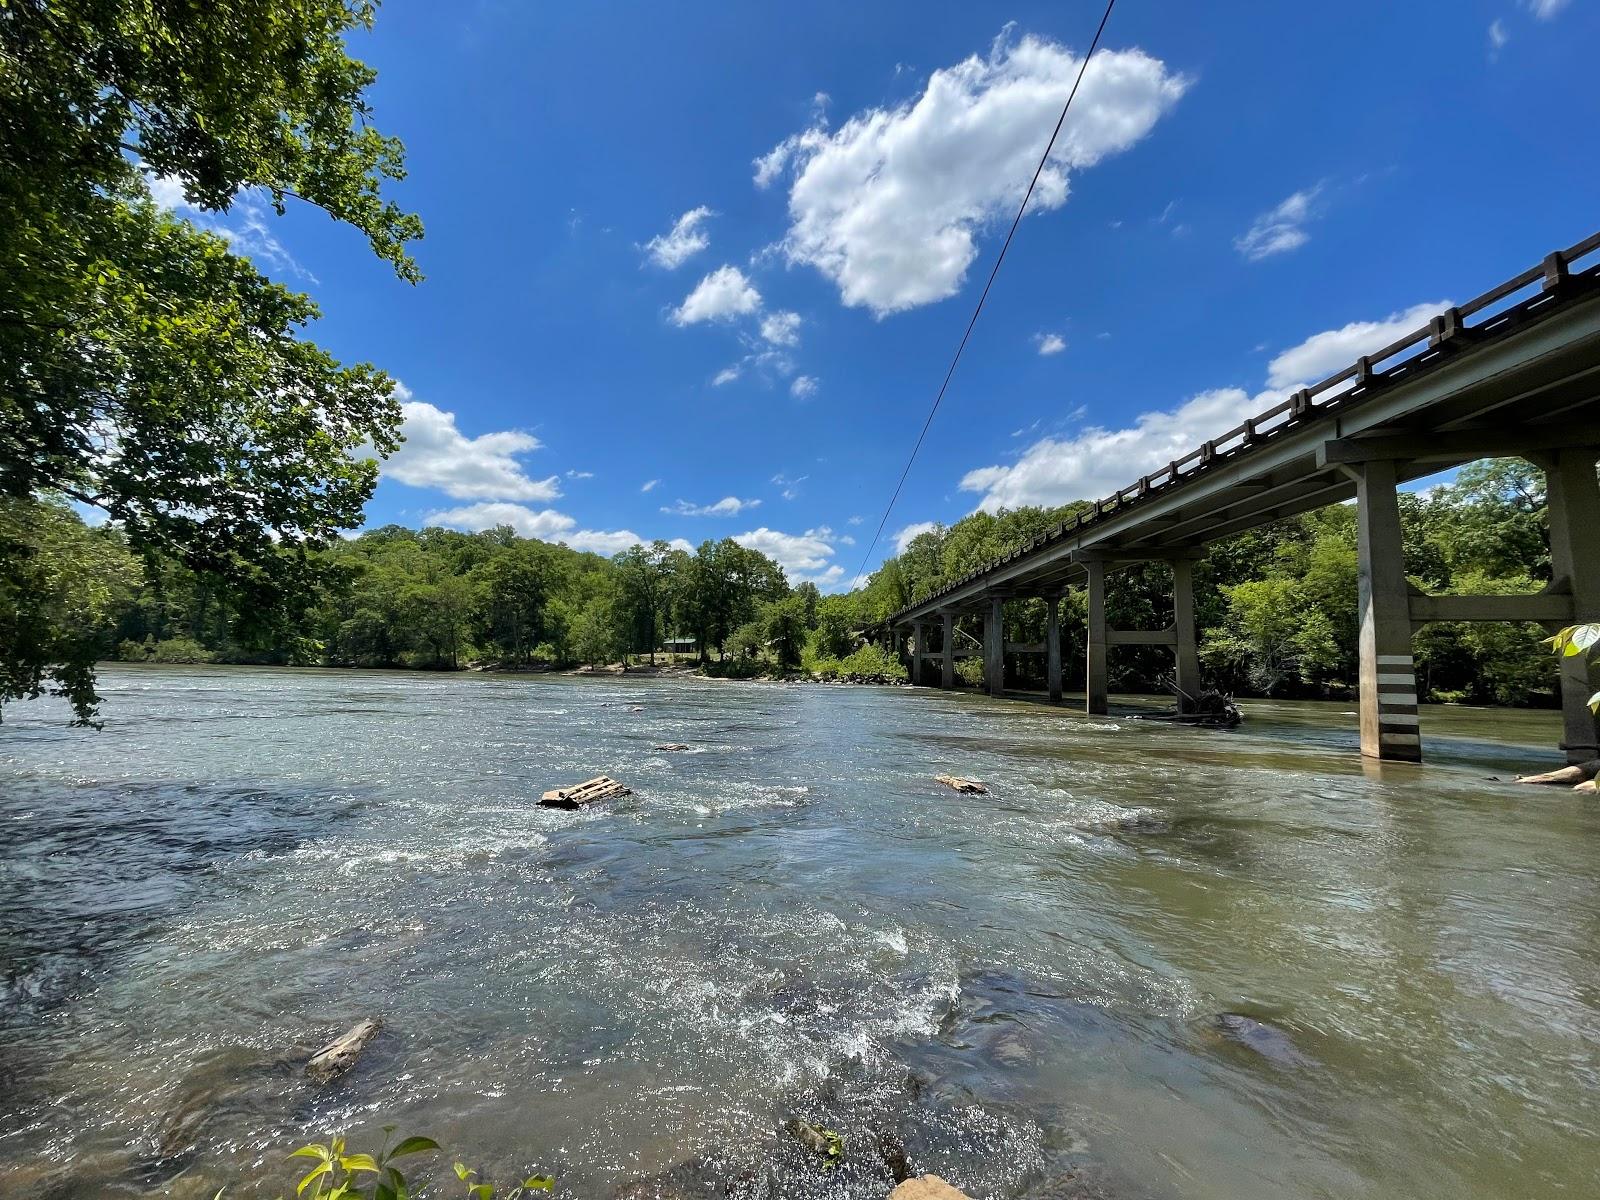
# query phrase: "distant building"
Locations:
[[679, 645]]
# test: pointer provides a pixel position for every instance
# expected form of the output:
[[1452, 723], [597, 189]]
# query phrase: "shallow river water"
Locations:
[[791, 918]]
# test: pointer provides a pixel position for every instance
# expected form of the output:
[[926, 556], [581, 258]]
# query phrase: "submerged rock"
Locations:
[[1268, 1041]]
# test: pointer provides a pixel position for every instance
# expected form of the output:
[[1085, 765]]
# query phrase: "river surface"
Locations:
[[791, 918]]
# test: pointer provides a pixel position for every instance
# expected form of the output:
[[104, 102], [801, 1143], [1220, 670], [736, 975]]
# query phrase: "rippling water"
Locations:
[[790, 918]]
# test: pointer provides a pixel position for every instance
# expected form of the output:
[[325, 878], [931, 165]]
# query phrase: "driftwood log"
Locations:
[[673, 746], [969, 787], [1575, 775], [601, 787], [339, 1055]]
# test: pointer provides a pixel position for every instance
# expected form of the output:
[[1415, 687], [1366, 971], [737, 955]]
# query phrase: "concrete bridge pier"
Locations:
[[1185, 649], [994, 646], [1052, 647], [919, 648], [947, 664], [1573, 499], [1388, 677], [1097, 641]]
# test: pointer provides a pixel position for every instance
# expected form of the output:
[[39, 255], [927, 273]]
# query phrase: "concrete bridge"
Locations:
[[1514, 372]]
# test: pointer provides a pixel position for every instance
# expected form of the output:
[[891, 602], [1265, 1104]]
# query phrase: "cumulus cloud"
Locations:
[[1097, 461], [1049, 343], [547, 525], [720, 296], [1280, 229], [803, 387], [728, 506], [436, 454], [1334, 349], [781, 328], [804, 557], [682, 242], [889, 205], [911, 532]]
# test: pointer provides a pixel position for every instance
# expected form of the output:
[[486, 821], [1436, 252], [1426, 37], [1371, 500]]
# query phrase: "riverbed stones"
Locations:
[[339, 1055], [927, 1187]]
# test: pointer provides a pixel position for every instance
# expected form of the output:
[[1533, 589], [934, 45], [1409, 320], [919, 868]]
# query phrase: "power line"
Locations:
[[995, 270]]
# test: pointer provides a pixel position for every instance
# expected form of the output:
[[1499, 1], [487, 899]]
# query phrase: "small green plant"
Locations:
[[1575, 640], [341, 1175]]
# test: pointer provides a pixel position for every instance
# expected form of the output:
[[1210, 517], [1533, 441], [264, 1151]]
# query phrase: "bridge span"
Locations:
[[1514, 372]]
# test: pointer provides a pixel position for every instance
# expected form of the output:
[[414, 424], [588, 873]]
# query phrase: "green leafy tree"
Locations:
[[144, 369]]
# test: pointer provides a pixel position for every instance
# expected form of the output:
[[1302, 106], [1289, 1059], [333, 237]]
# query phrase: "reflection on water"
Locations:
[[1191, 963]]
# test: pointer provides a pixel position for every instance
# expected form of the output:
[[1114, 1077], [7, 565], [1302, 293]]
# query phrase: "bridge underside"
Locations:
[[1522, 382]]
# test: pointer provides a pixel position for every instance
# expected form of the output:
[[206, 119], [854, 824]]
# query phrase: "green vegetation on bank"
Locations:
[[1277, 606]]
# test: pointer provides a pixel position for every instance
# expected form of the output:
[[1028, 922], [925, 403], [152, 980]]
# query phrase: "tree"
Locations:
[[783, 627], [646, 574], [144, 369]]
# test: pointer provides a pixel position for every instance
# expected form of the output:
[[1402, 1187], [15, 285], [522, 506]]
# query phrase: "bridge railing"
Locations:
[[1548, 283]]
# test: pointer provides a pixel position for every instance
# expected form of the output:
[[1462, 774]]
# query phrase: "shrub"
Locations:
[[180, 650]]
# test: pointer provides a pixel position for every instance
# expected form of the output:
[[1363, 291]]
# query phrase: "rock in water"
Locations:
[[1577, 774], [969, 787], [1266, 1040], [927, 1187], [339, 1055], [673, 746]]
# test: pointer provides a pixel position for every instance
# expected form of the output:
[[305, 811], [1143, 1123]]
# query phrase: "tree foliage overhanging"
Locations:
[[145, 369]]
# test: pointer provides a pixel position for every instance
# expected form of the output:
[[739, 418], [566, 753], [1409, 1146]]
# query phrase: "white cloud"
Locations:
[[781, 328], [855, 520], [436, 454], [1098, 461], [791, 487], [803, 387], [889, 206], [682, 242], [167, 191], [1280, 229], [649, 485], [1334, 349], [547, 525], [580, 474], [1498, 37], [911, 532], [727, 375], [803, 556], [1095, 462], [1546, 9], [720, 296], [728, 506], [1049, 343]]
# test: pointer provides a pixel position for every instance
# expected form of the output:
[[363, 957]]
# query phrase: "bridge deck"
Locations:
[[1524, 376]]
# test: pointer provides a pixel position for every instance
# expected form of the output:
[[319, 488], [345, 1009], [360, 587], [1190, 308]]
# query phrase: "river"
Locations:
[[790, 918]]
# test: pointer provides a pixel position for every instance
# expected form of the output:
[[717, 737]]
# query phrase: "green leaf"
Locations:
[[540, 1183], [1594, 702], [315, 1150], [483, 1191], [462, 1172], [315, 1173], [414, 1145], [359, 1162]]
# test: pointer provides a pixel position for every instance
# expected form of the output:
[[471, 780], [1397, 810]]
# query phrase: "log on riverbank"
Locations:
[[339, 1055], [601, 787], [1575, 775]]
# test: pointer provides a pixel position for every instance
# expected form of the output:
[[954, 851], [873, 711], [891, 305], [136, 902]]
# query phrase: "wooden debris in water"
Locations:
[[339, 1055], [601, 787], [824, 1143], [970, 787], [673, 746], [1576, 775]]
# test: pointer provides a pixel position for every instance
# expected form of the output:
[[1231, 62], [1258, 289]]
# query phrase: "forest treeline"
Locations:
[[1276, 606]]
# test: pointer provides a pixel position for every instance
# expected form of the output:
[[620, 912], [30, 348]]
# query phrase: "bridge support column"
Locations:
[[947, 665], [1094, 700], [919, 647], [1052, 647], [1389, 728], [1187, 652], [994, 647], [1574, 506]]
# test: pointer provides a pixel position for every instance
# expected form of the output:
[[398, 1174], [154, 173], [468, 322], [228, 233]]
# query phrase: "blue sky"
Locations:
[[697, 271]]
